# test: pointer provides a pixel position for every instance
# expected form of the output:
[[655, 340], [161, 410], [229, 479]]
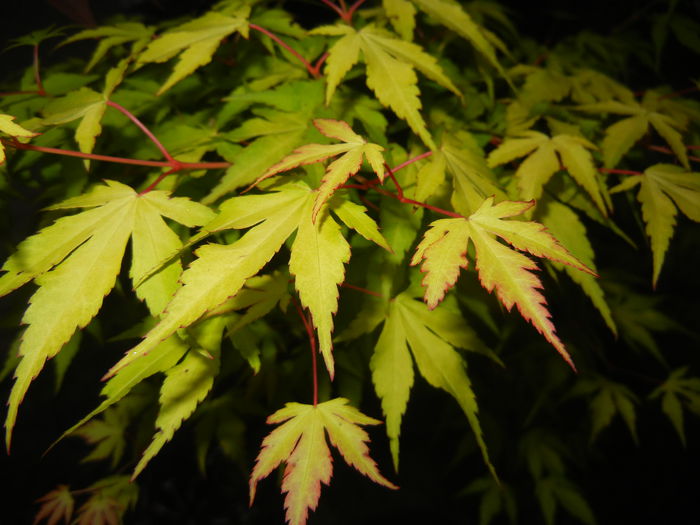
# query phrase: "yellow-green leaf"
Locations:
[[409, 323], [185, 386], [662, 188], [317, 261], [220, 271], [13, 130], [196, 41], [402, 16], [355, 216], [300, 441], [443, 249], [451, 15], [354, 148]]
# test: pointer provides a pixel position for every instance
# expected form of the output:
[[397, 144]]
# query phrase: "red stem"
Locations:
[[37, 73], [403, 199], [312, 342], [146, 131], [317, 66], [158, 180], [360, 289], [286, 46], [352, 10], [410, 161], [334, 7], [679, 93], [10, 93], [662, 149], [122, 160], [620, 172]]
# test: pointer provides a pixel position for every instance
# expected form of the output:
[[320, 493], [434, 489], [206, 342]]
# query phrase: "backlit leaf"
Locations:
[[444, 245], [300, 441], [195, 42]]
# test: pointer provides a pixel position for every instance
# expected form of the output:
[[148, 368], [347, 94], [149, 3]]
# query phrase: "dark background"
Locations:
[[656, 482]]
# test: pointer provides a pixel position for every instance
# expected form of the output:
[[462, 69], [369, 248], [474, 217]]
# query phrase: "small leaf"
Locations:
[[195, 41], [300, 442], [13, 130], [57, 505]]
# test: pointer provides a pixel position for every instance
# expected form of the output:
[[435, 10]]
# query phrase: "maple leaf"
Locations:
[[107, 434], [56, 505], [13, 130], [566, 226], [185, 386], [662, 189], [120, 33], [443, 253], [75, 262], [451, 15], [318, 255], [610, 398], [677, 390], [622, 135], [300, 441], [111, 497], [196, 40], [272, 134], [162, 358], [401, 14], [390, 70], [431, 336], [353, 149], [546, 155], [85, 104]]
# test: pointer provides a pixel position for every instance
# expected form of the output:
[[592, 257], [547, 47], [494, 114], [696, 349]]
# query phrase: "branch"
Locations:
[[662, 149], [143, 128], [121, 160], [312, 71], [620, 172], [37, 73], [312, 342]]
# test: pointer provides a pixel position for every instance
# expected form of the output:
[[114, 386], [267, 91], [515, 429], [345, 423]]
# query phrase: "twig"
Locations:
[[143, 128], [312, 343], [312, 71]]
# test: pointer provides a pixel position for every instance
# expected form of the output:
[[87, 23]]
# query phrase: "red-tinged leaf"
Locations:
[[354, 149], [301, 443], [443, 249], [508, 272], [57, 505]]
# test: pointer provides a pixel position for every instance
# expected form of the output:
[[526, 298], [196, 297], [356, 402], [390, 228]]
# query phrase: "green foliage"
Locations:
[[359, 188]]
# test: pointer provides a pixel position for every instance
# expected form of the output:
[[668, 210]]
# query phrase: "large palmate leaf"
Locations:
[[318, 255], [75, 262], [443, 253], [300, 441], [546, 156], [662, 188], [622, 135], [195, 42], [8, 127], [390, 70]]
